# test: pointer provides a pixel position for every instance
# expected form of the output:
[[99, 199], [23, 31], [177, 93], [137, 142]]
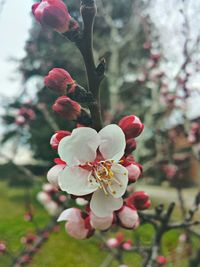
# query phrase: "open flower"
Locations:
[[93, 166]]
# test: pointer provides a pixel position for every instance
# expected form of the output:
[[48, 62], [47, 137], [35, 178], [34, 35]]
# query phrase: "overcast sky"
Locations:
[[15, 20]]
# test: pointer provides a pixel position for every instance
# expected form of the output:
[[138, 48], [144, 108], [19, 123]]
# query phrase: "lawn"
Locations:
[[61, 250]]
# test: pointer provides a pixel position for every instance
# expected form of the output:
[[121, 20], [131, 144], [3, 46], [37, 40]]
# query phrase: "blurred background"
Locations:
[[153, 65]]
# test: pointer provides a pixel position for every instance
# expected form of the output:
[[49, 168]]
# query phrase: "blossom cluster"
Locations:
[[51, 199], [24, 116], [95, 166], [98, 167]]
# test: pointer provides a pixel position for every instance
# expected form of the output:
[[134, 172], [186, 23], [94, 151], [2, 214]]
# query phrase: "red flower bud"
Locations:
[[139, 200], [54, 14], [67, 108], [131, 126], [130, 146], [56, 138], [29, 239], [59, 80]]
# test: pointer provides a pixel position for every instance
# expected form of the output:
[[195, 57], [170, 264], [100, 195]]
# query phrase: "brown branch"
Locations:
[[85, 45], [18, 261]]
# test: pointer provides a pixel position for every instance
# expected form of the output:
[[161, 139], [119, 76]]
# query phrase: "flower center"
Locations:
[[104, 176]]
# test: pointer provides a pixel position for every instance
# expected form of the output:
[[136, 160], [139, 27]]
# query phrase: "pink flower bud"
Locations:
[[27, 113], [130, 146], [29, 239], [43, 197], [20, 120], [55, 139], [102, 223], [127, 245], [139, 200], [131, 126], [25, 259], [147, 45], [59, 80], [161, 260], [49, 188], [67, 108], [2, 247], [54, 14], [170, 170], [28, 216], [62, 198], [134, 172], [128, 217], [113, 243]]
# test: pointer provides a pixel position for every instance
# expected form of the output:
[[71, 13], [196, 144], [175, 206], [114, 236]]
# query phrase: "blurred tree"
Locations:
[[121, 25]]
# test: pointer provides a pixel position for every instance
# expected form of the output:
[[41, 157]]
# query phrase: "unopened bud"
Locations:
[[59, 81], [54, 14], [67, 108], [131, 126], [139, 200]]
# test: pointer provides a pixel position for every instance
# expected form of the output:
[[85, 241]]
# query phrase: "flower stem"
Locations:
[[85, 45]]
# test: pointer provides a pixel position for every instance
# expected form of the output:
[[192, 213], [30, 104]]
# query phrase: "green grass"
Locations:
[[62, 251]]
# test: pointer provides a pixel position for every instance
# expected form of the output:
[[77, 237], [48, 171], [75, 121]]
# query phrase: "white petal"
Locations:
[[113, 142], [52, 175], [80, 147], [103, 205], [73, 215], [75, 181], [119, 181], [101, 223]]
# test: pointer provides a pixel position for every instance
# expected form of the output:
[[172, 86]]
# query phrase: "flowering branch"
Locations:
[[95, 74]]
